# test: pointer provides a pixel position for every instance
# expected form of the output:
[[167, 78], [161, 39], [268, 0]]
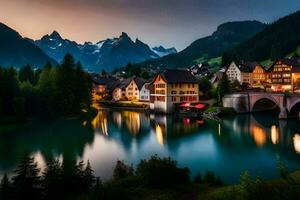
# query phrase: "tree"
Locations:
[[223, 87], [88, 177], [162, 173], [9, 89], [145, 75], [26, 73], [5, 188], [26, 182], [103, 73], [121, 171], [205, 85], [52, 179], [226, 59]]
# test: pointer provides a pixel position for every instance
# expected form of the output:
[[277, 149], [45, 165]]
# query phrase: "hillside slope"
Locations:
[[227, 36]]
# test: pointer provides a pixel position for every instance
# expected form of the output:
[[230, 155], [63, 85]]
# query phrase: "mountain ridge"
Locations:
[[17, 51], [226, 36], [106, 54]]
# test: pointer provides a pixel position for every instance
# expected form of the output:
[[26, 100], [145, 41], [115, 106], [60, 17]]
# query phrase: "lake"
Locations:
[[229, 147]]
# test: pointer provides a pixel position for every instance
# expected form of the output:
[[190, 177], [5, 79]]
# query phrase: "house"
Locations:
[[241, 72], [128, 89], [145, 92], [259, 76], [171, 87], [102, 86], [285, 75]]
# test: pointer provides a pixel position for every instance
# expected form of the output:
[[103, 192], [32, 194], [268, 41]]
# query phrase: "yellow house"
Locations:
[[171, 87]]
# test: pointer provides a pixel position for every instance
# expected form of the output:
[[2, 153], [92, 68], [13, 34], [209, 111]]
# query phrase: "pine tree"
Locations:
[[88, 177], [26, 182], [26, 73], [5, 188], [52, 179]]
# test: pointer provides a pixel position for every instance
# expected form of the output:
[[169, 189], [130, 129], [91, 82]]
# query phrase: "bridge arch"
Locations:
[[265, 101]]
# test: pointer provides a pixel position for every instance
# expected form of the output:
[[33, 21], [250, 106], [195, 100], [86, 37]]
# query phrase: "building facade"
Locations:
[[128, 89], [259, 76], [285, 75], [145, 92], [173, 87]]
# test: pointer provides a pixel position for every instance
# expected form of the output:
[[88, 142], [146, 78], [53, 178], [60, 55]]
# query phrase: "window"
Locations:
[[173, 99], [160, 98]]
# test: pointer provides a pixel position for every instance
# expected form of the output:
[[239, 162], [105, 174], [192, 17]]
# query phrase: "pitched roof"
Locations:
[[247, 66], [138, 81], [179, 76], [294, 62]]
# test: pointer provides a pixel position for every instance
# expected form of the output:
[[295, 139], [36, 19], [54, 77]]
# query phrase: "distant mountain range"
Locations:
[[17, 51], [244, 40], [107, 54], [227, 36]]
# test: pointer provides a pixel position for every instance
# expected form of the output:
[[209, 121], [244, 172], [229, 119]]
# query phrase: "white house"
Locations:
[[233, 73], [145, 92]]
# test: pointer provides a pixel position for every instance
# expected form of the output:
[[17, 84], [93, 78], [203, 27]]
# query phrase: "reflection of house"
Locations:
[[171, 87], [285, 75], [128, 89], [102, 86]]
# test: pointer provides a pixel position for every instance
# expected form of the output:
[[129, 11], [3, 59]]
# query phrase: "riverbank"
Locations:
[[283, 188]]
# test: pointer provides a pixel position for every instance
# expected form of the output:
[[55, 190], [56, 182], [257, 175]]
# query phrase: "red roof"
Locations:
[[185, 105], [199, 106]]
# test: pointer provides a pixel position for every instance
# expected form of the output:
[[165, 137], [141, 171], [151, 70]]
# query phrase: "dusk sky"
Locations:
[[166, 22]]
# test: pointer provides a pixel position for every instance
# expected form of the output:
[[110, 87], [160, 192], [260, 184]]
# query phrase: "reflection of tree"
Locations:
[[65, 138]]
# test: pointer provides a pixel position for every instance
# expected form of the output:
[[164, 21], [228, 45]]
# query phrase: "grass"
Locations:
[[214, 63], [234, 191]]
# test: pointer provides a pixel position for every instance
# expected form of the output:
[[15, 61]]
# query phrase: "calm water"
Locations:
[[244, 142]]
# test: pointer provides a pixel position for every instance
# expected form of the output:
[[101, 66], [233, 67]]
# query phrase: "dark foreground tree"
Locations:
[[26, 182], [5, 188]]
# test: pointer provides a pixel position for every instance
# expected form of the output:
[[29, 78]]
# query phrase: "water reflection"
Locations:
[[159, 134], [274, 134], [296, 140], [228, 147], [100, 123], [259, 135]]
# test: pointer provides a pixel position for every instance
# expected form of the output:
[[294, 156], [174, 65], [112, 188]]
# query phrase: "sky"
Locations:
[[156, 22]]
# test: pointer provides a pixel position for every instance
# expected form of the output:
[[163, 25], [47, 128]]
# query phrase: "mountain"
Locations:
[[279, 39], [106, 54], [161, 51], [17, 51], [227, 36]]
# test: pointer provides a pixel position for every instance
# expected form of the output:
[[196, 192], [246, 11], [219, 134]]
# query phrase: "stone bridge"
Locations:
[[288, 104]]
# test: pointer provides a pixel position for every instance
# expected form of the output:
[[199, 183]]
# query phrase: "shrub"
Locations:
[[162, 173]]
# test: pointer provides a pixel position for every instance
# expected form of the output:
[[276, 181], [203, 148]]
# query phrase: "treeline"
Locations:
[[159, 178], [51, 91]]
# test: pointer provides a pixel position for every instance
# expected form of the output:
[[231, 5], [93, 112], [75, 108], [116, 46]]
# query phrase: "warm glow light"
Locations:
[[259, 136], [274, 135], [296, 140], [159, 134], [133, 122], [100, 122]]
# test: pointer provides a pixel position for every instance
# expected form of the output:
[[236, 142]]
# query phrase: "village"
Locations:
[[172, 88]]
